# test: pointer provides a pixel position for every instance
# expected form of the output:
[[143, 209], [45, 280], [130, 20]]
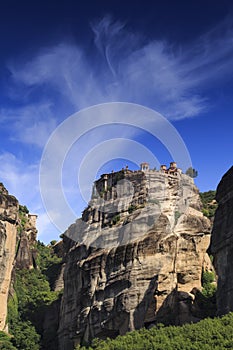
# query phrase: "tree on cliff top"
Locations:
[[191, 172]]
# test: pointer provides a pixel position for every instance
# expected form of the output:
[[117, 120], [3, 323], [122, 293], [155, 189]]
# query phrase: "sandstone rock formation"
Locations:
[[222, 243], [26, 241], [137, 255], [8, 233], [17, 239]]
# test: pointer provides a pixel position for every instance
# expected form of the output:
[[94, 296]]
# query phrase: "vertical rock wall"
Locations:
[[17, 244], [139, 269], [26, 242], [222, 243], [8, 233]]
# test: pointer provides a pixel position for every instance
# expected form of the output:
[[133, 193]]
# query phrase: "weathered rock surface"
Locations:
[[222, 243], [8, 233], [26, 241], [17, 240], [138, 256], [61, 249]]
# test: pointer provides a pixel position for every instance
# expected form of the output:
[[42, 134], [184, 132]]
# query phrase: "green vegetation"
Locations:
[[23, 209], [116, 219], [23, 216], [25, 336], [154, 201], [31, 299], [207, 334], [209, 287], [131, 208], [46, 257], [209, 203], [177, 215], [5, 342], [191, 172]]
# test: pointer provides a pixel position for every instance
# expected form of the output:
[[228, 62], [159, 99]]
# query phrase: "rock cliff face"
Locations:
[[9, 208], [26, 241], [138, 254], [17, 237], [222, 243]]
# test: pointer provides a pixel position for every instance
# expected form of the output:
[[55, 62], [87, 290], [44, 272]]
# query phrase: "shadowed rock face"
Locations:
[[140, 270], [26, 251], [9, 207], [222, 243]]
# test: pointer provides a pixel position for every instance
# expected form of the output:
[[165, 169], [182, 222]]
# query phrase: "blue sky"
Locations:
[[58, 57]]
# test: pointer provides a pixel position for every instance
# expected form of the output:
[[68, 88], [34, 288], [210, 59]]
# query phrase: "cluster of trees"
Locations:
[[209, 203], [207, 334], [30, 300]]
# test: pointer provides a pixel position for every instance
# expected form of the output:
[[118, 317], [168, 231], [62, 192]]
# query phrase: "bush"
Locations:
[[131, 208], [116, 219], [208, 277], [209, 288]]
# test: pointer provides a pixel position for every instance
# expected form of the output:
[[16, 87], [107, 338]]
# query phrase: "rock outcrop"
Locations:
[[9, 208], [17, 240], [138, 253], [26, 240], [222, 243]]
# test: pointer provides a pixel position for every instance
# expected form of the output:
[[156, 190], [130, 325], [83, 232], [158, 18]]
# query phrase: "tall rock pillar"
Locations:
[[9, 208], [222, 243]]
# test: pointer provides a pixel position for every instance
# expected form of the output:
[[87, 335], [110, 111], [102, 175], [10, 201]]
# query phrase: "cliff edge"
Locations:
[[137, 256]]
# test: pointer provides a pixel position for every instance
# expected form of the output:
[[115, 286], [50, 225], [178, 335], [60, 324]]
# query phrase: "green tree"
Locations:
[[207, 334], [209, 203], [53, 242], [23, 209], [209, 287], [5, 342], [191, 172], [25, 336], [32, 299]]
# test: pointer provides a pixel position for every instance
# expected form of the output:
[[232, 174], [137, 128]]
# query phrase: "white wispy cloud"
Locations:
[[123, 66], [31, 124], [130, 68]]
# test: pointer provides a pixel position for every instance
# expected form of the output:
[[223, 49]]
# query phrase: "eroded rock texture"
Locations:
[[138, 254], [26, 242], [222, 243], [17, 242], [8, 232]]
